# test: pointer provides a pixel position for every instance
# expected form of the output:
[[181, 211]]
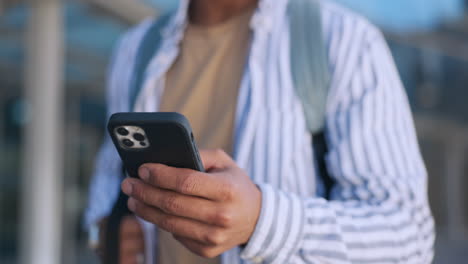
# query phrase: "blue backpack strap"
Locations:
[[309, 61], [147, 48], [149, 45], [311, 77]]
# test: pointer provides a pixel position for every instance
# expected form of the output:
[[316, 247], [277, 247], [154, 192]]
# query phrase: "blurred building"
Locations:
[[90, 30], [429, 39]]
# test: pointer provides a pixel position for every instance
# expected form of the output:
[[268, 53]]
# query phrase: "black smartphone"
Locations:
[[164, 138]]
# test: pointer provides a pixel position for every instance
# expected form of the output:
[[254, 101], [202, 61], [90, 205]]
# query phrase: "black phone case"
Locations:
[[170, 139]]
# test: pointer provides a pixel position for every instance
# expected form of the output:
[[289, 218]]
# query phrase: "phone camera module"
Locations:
[[127, 142], [131, 138], [138, 137], [122, 131]]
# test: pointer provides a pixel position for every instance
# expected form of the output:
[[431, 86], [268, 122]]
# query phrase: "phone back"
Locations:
[[164, 138]]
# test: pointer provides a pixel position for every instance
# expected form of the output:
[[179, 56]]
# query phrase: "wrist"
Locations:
[[258, 207], [279, 229]]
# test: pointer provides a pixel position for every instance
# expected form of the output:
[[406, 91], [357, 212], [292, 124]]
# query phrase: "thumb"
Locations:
[[215, 159]]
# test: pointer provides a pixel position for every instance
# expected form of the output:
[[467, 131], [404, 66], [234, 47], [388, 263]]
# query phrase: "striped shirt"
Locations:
[[378, 211]]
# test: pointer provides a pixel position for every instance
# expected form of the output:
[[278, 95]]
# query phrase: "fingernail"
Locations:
[[131, 204], [127, 187], [144, 173]]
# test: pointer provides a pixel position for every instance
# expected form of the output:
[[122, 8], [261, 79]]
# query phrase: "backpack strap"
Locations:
[[311, 76], [147, 48], [320, 147], [149, 45], [309, 61]]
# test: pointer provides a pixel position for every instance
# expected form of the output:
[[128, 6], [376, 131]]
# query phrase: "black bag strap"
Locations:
[[112, 232], [147, 48], [320, 147], [311, 77]]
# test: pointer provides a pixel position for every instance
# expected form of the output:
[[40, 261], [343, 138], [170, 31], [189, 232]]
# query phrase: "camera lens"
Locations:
[[138, 136], [143, 144], [127, 142], [122, 131]]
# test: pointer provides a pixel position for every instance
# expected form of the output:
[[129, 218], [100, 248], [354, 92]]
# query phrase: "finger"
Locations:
[[197, 248], [173, 203], [215, 159], [129, 259], [102, 237], [184, 181], [131, 238], [130, 227], [176, 225], [132, 246]]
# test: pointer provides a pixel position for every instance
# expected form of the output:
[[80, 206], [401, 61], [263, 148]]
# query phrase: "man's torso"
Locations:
[[203, 84]]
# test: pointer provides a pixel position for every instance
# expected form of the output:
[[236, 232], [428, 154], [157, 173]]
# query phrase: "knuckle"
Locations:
[[139, 193], [224, 218], [133, 203], [188, 184], [225, 158], [207, 252], [215, 238], [170, 204], [167, 224], [227, 191], [155, 171], [220, 153]]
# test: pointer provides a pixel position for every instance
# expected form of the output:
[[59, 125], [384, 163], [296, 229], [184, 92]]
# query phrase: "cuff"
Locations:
[[279, 228]]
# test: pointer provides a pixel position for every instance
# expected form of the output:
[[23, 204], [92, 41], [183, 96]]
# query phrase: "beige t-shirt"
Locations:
[[203, 85]]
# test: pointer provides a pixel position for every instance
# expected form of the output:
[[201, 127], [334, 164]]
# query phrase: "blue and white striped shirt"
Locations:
[[378, 212]]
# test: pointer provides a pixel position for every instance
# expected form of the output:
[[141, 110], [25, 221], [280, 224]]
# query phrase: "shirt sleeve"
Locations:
[[104, 185], [105, 181], [378, 211]]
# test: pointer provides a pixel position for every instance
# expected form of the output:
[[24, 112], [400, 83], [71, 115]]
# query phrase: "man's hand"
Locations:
[[132, 243], [209, 213]]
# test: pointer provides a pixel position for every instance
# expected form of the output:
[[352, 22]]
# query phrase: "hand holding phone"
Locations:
[[208, 212]]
